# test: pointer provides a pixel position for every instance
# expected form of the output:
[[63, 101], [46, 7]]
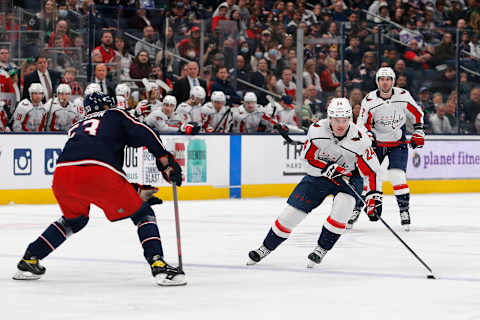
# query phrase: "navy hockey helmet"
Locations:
[[97, 101]]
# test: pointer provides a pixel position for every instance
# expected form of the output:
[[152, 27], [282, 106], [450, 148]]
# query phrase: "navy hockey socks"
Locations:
[[48, 241], [150, 239], [272, 241], [403, 201], [327, 239]]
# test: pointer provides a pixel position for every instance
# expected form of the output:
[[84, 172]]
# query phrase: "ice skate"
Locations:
[[165, 274], [316, 256], [353, 219], [29, 268], [257, 255], [405, 220]]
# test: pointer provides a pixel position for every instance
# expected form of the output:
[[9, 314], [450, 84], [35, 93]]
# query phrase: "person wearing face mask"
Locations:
[[190, 47], [65, 13], [272, 56]]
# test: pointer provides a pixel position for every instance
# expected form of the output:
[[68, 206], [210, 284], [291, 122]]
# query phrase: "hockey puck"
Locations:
[[431, 276]]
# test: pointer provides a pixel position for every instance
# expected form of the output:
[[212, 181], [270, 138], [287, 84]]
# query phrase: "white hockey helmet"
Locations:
[[64, 88], [198, 92], [385, 72], [218, 96], [122, 89], [170, 100], [91, 88], [149, 85], [339, 108], [36, 88], [250, 97]]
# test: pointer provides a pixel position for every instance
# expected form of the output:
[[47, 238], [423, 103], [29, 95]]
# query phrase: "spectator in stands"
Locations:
[[445, 52], [328, 78], [417, 59], [439, 122], [222, 15], [242, 74], [315, 104], [47, 17], [61, 30], [391, 57], [411, 33], [181, 89], [141, 66], [101, 77], [310, 77], [472, 107], [229, 4], [271, 82], [78, 51], [69, 78], [366, 72], [272, 55], [445, 82], [259, 78], [48, 78], [27, 67], [476, 124], [5, 63], [356, 112], [265, 41], [402, 82], [285, 85], [222, 84], [106, 47], [148, 43], [140, 20], [354, 52], [400, 67], [190, 47], [425, 101], [356, 96], [124, 58]]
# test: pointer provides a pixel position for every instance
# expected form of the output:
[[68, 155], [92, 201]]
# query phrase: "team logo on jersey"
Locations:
[[51, 156], [22, 162]]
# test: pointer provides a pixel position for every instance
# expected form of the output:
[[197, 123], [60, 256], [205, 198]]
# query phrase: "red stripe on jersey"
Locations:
[[368, 125], [335, 223], [310, 157], [282, 228], [3, 118], [52, 125], [415, 112], [242, 126], [367, 171], [24, 122], [42, 124], [400, 186]]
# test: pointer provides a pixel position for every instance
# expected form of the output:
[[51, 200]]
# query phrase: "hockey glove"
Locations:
[[333, 171], [372, 137], [147, 192], [373, 205], [418, 137], [171, 172], [191, 128]]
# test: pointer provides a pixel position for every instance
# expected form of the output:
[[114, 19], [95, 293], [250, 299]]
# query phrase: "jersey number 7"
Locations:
[[89, 126]]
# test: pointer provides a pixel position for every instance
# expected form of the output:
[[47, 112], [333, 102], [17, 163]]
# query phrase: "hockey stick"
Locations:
[[223, 117], [430, 275], [392, 144], [177, 226]]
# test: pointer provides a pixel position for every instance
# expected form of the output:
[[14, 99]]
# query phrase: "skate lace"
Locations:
[[405, 215], [320, 251], [262, 251]]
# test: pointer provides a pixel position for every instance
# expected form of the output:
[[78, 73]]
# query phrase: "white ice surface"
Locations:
[[100, 272]]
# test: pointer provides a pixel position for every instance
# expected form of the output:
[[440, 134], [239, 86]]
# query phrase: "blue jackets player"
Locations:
[[335, 148], [89, 171]]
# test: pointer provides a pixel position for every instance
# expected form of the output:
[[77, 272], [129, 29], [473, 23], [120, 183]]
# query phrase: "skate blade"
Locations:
[[406, 227], [311, 264], [250, 262], [348, 226], [161, 280], [25, 275]]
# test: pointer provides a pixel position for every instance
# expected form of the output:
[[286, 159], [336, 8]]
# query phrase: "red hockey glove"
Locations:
[[333, 171], [418, 137], [191, 128], [373, 206]]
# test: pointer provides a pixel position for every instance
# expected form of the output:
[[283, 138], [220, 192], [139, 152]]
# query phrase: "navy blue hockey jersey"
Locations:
[[100, 139]]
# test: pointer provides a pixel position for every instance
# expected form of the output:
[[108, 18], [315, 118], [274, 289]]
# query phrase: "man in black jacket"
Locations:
[[221, 84], [49, 79], [181, 89]]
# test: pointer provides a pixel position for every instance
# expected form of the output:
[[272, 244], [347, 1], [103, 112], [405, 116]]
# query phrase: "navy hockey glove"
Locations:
[[418, 137], [174, 175], [191, 128], [147, 192], [333, 171], [373, 206]]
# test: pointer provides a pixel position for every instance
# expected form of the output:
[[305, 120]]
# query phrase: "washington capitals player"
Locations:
[[335, 148], [384, 113], [89, 171], [62, 113]]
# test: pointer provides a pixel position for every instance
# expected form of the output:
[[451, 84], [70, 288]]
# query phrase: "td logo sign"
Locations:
[[51, 156]]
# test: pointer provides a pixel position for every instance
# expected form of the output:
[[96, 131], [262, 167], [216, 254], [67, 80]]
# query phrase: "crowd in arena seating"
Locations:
[[244, 42]]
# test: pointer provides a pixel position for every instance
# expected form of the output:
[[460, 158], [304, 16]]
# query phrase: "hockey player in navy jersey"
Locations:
[[89, 171], [383, 114], [335, 148]]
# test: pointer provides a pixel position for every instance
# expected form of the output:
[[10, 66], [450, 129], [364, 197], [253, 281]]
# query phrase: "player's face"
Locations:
[[339, 126], [250, 106], [154, 94], [385, 84], [218, 105], [37, 97], [168, 109], [63, 98]]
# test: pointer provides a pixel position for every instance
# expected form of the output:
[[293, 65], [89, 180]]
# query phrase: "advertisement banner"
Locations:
[[445, 160]]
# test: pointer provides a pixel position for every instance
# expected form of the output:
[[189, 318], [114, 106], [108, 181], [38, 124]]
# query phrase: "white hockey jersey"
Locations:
[[162, 123], [255, 121], [194, 113], [122, 103], [281, 115], [144, 108], [353, 151], [78, 107], [28, 117], [216, 121], [61, 118], [3, 118], [387, 118]]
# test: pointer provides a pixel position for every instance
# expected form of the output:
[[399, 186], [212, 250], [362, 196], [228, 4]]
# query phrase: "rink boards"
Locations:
[[228, 166]]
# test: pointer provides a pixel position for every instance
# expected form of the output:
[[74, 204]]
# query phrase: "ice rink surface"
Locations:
[[100, 273]]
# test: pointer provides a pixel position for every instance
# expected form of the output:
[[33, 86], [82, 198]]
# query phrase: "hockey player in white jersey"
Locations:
[[192, 108], [383, 114], [146, 106], [217, 116], [335, 148], [3, 117], [122, 93], [78, 102], [251, 117], [165, 119], [31, 115], [283, 112], [62, 113]]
